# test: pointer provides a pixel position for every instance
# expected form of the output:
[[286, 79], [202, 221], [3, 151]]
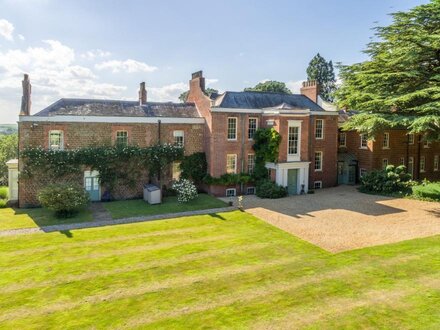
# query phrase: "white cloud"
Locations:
[[295, 86], [54, 73], [167, 93], [21, 37], [211, 81], [95, 53], [129, 66], [6, 29]]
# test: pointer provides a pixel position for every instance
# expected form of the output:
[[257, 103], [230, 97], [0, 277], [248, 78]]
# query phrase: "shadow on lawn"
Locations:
[[341, 197]]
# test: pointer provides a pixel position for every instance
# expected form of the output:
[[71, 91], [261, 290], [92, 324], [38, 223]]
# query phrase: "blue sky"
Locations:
[[103, 49]]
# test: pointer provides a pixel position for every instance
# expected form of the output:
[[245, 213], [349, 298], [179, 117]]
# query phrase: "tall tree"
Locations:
[[270, 86], [8, 150], [399, 86], [322, 71], [208, 92]]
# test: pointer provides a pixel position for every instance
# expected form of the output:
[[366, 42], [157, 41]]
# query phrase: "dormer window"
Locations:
[[56, 140]]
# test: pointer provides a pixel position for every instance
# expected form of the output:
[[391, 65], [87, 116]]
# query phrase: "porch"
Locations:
[[293, 175]]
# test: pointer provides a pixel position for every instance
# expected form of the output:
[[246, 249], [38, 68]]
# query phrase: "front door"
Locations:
[[341, 174], [91, 185], [351, 174], [292, 181]]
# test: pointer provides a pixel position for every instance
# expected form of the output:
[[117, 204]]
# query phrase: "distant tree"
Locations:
[[399, 86], [269, 86], [322, 71], [208, 92], [8, 150]]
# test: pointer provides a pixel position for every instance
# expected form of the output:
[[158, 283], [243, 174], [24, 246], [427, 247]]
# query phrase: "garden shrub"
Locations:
[[194, 167], [64, 199], [185, 190], [392, 180], [427, 190], [269, 189], [3, 192], [3, 203]]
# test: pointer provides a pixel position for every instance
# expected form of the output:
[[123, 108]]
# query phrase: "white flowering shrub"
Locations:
[[64, 199], [185, 189]]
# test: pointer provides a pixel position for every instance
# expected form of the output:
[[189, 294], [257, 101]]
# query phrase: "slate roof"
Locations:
[[264, 100], [87, 107], [344, 115]]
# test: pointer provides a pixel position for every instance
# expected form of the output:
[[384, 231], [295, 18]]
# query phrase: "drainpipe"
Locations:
[[407, 152], [418, 156], [158, 131], [243, 137]]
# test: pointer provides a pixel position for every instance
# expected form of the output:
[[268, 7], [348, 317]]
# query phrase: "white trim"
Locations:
[[256, 126], [236, 129], [321, 160], [235, 163], [281, 173], [322, 128], [424, 164], [436, 162], [230, 189], [179, 133], [387, 146], [247, 190], [320, 184], [61, 146], [345, 140], [106, 119], [297, 156], [361, 146]]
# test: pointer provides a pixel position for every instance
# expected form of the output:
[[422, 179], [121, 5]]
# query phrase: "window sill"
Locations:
[[231, 140], [363, 148], [318, 170], [385, 148]]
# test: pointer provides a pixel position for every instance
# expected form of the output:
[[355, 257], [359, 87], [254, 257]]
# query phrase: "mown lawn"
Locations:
[[227, 270], [11, 218], [138, 207]]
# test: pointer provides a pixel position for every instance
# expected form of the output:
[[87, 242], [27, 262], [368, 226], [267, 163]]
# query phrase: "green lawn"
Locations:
[[138, 207], [11, 218], [430, 191], [227, 270]]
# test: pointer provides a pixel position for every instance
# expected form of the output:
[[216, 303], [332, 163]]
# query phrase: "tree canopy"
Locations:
[[208, 92], [8, 150], [269, 86], [322, 71], [399, 86]]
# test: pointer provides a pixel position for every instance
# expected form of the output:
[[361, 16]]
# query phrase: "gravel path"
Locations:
[[341, 218], [100, 223]]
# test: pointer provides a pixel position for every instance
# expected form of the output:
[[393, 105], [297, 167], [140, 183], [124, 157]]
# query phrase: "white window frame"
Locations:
[[321, 137], [411, 162], [385, 161], [250, 193], [256, 127], [177, 135], [426, 144], [402, 161], [59, 147], [116, 137], [294, 156], [422, 169], [227, 128], [249, 170], [411, 138], [321, 160], [228, 156], [317, 184], [362, 172], [436, 162], [364, 137], [233, 190], [345, 139], [386, 141]]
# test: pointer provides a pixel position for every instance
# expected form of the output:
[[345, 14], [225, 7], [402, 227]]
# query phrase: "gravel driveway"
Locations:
[[341, 218]]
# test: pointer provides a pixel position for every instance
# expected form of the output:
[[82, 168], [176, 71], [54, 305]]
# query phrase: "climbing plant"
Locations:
[[113, 163], [266, 145]]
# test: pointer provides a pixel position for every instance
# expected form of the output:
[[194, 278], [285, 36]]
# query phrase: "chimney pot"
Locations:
[[142, 94], [310, 89], [26, 98], [197, 80]]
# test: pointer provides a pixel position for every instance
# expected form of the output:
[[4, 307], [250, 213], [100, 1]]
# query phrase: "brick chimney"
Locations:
[[142, 94], [26, 98], [310, 89], [197, 81]]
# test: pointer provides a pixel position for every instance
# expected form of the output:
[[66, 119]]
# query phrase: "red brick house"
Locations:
[[308, 150], [222, 126], [358, 155]]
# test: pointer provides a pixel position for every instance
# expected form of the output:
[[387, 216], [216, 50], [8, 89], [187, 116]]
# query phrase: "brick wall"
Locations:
[[372, 157], [77, 135]]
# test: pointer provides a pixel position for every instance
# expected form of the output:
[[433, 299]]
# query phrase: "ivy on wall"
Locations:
[[113, 163], [267, 146]]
